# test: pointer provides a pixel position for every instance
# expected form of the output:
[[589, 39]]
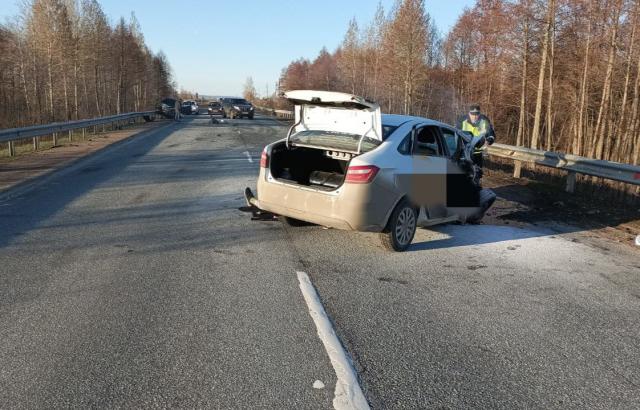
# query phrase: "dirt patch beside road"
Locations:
[[16, 170], [524, 202]]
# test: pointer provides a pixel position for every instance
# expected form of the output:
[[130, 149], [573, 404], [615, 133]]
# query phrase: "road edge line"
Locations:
[[348, 394]]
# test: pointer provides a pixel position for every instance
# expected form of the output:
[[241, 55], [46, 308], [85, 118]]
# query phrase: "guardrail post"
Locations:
[[571, 182], [517, 169], [70, 135], [36, 143], [55, 139], [12, 149], [84, 133]]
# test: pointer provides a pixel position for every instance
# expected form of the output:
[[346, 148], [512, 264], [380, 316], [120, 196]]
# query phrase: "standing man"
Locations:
[[479, 125], [177, 108]]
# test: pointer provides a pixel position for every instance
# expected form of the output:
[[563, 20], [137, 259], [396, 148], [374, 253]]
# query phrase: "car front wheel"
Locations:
[[401, 228]]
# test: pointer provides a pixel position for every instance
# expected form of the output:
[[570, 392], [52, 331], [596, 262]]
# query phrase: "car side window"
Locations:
[[427, 142], [405, 146], [451, 140]]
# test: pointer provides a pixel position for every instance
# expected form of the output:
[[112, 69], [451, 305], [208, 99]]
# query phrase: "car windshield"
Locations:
[[339, 140], [238, 101]]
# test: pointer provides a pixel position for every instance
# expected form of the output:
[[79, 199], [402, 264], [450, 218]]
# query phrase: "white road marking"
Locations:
[[318, 385], [638, 240], [248, 156], [228, 160], [348, 394]]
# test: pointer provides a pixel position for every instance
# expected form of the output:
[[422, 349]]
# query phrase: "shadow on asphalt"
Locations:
[[191, 166], [219, 122], [22, 213], [181, 225]]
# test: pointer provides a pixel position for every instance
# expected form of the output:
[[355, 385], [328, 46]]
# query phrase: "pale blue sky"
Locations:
[[213, 46]]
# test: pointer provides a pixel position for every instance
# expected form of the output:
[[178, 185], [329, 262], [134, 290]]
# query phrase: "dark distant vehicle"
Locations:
[[167, 108], [237, 108], [215, 108]]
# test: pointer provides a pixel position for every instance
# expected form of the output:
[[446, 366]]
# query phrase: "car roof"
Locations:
[[396, 120]]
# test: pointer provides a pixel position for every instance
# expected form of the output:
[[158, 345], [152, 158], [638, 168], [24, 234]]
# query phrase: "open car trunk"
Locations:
[[316, 168], [330, 129]]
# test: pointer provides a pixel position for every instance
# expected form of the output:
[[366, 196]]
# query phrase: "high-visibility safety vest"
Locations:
[[479, 128]]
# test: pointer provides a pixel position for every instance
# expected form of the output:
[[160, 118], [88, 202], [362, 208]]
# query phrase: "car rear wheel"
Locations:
[[401, 228]]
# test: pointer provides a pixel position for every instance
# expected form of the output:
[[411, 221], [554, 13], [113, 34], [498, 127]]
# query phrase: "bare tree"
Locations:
[[249, 93], [535, 134], [61, 59]]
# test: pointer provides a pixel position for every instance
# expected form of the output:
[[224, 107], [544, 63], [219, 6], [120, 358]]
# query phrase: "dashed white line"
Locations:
[[248, 156], [348, 394]]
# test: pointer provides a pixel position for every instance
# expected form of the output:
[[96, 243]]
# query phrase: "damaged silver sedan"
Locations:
[[346, 166]]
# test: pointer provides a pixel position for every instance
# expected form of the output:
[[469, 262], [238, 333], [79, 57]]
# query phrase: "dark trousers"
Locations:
[[477, 159]]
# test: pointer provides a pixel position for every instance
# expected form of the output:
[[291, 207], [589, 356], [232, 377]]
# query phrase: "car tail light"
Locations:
[[361, 174], [264, 160]]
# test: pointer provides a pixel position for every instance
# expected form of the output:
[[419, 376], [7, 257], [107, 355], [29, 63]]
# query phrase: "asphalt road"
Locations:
[[132, 279]]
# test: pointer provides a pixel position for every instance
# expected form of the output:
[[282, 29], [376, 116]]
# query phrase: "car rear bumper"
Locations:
[[358, 207]]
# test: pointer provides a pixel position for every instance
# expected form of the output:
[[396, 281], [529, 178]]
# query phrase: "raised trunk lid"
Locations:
[[322, 118]]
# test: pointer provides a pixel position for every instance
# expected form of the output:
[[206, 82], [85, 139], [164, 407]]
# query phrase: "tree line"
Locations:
[[62, 60], [560, 75]]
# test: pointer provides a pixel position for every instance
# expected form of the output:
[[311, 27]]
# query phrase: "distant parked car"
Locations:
[[195, 109], [167, 108], [346, 166], [215, 108], [189, 107], [237, 108]]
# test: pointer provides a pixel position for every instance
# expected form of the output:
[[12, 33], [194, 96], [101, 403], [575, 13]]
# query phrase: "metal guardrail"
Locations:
[[35, 131], [284, 114], [573, 164]]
